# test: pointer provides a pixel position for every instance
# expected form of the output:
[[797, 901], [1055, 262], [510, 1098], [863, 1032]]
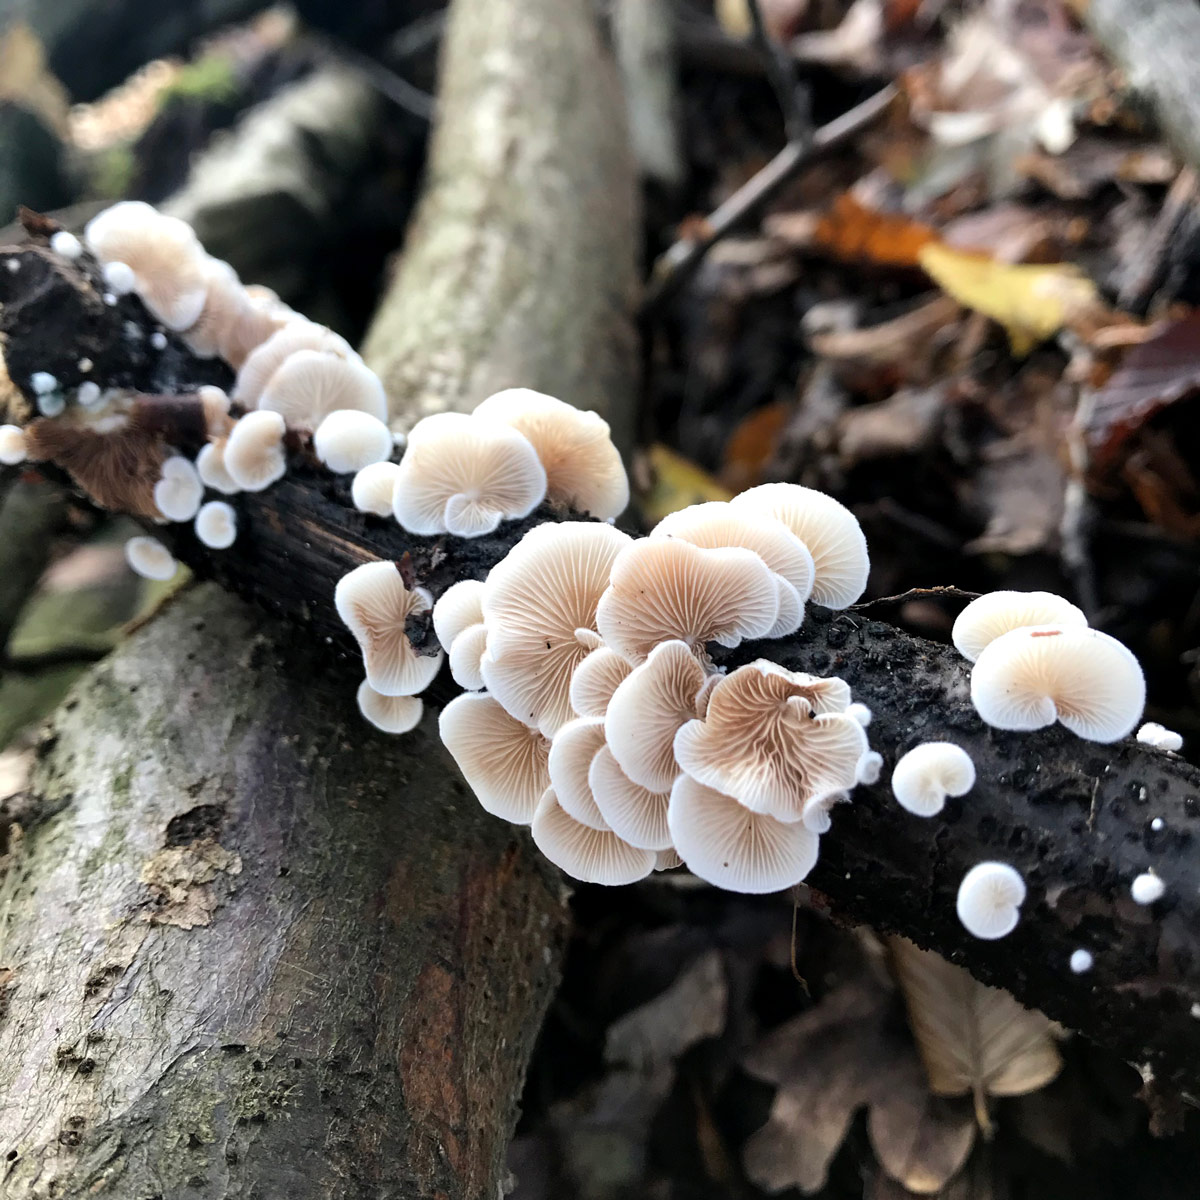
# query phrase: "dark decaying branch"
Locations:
[[1073, 817]]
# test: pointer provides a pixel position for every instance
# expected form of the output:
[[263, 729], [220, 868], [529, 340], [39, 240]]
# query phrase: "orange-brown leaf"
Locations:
[[853, 232]]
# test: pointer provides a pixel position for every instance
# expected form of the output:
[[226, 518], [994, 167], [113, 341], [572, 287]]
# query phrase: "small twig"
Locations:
[[676, 265], [384, 80], [955, 593], [793, 95]]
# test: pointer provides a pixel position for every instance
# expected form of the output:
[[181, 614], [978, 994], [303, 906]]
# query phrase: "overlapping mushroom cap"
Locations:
[[253, 456], [587, 854], [595, 680], [574, 746], [632, 812], [265, 359], [309, 385], [464, 475], [392, 714], [990, 616]]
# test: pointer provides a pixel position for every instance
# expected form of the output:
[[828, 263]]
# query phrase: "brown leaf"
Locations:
[[890, 341], [751, 445], [855, 233], [905, 423]]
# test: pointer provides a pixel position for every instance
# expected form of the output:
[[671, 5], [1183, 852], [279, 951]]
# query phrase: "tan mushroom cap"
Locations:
[[1028, 678], [583, 468], [254, 456], [648, 709], [376, 606], [595, 680], [664, 589], [230, 325], [309, 385], [464, 475], [829, 530], [539, 605], [774, 740], [392, 714], [457, 608], [502, 759], [989, 616], [210, 466], [265, 359], [466, 657], [730, 847], [571, 752], [589, 855], [635, 814]]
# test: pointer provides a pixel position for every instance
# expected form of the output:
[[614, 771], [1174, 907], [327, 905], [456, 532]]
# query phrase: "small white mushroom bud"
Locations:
[[179, 492], [373, 487], [1159, 737], [1147, 888], [51, 404], [989, 900], [254, 454], [120, 278], [89, 394], [348, 440], [150, 559], [66, 243], [928, 773], [870, 767], [860, 713], [595, 681], [43, 383], [989, 616], [12, 445], [1081, 961], [216, 525], [458, 608], [392, 714]]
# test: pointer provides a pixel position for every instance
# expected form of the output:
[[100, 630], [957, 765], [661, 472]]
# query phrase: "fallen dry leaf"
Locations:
[[890, 341], [853, 232], [905, 423], [855, 44], [751, 445], [675, 482]]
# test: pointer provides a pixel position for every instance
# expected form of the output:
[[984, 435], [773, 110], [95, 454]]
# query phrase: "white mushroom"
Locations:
[[210, 466], [119, 278], [595, 679], [1147, 888], [586, 854], [310, 384], [829, 530], [860, 713], [178, 492], [632, 812], [376, 607], [373, 487], [150, 559], [1081, 961], [12, 445], [1149, 734], [870, 767], [464, 475], [254, 456], [730, 847], [1032, 676], [66, 243], [392, 714], [216, 525], [930, 772], [571, 753], [457, 608], [989, 616], [348, 440], [989, 900], [265, 359], [502, 759], [465, 657]]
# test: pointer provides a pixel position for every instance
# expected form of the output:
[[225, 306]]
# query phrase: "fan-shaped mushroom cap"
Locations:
[[231, 324], [595, 680], [502, 759], [1027, 678], [816, 816], [464, 475], [571, 753], [632, 812], [459, 606], [373, 487], [664, 588], [829, 530], [465, 657], [348, 440], [150, 559], [989, 900], [647, 710], [265, 359], [216, 525], [587, 854], [870, 767], [392, 714], [583, 468], [164, 254], [12, 445], [1147, 888], [309, 385], [667, 860], [179, 491], [989, 616], [774, 740], [930, 772], [539, 605], [730, 847], [254, 456], [376, 606], [210, 466]]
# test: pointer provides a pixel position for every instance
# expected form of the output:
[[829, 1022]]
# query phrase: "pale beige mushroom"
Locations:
[[989, 616], [179, 491], [265, 359], [376, 607], [632, 812], [347, 440], [254, 456], [502, 759], [595, 680], [310, 384], [12, 445], [571, 752], [150, 559], [210, 466], [465, 657], [392, 714], [663, 589], [457, 608], [587, 854], [539, 605], [373, 486], [583, 468], [774, 739], [230, 325]]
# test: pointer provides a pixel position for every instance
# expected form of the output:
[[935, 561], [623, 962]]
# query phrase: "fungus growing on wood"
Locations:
[[210, 466], [1081, 961], [348, 440], [572, 749], [539, 606], [376, 606], [465, 657], [595, 680], [634, 813], [373, 487], [587, 854], [503, 759], [726, 845], [830, 531], [583, 468], [860, 713], [664, 588], [150, 559], [457, 608], [231, 324], [1147, 888], [13, 449], [254, 456], [392, 714], [310, 384], [989, 616], [179, 491], [464, 475], [1153, 734], [119, 277], [266, 358], [1030, 677], [66, 243], [216, 525], [930, 772], [989, 900]]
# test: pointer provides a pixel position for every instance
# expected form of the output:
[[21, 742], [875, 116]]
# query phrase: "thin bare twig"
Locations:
[[955, 593], [794, 97]]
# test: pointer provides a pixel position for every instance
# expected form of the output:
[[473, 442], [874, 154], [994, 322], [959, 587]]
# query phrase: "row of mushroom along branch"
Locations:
[[592, 711]]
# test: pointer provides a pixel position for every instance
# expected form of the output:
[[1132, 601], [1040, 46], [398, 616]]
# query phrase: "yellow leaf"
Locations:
[[1032, 302], [677, 482]]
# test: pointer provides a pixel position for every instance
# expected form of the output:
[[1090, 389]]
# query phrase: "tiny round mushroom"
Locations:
[[348, 440], [1158, 824], [119, 277], [1159, 737], [632, 812], [216, 525], [860, 713], [88, 394], [1031, 676], [150, 559], [179, 491], [464, 475], [583, 468], [729, 847], [266, 358], [989, 900], [1147, 888], [392, 714], [504, 760], [1081, 961], [989, 616], [254, 455], [376, 606], [373, 487], [829, 530], [587, 854], [12, 445], [465, 657], [310, 384], [571, 753], [458, 607], [66, 244], [43, 383], [930, 772], [595, 679], [51, 404], [210, 466], [870, 767]]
